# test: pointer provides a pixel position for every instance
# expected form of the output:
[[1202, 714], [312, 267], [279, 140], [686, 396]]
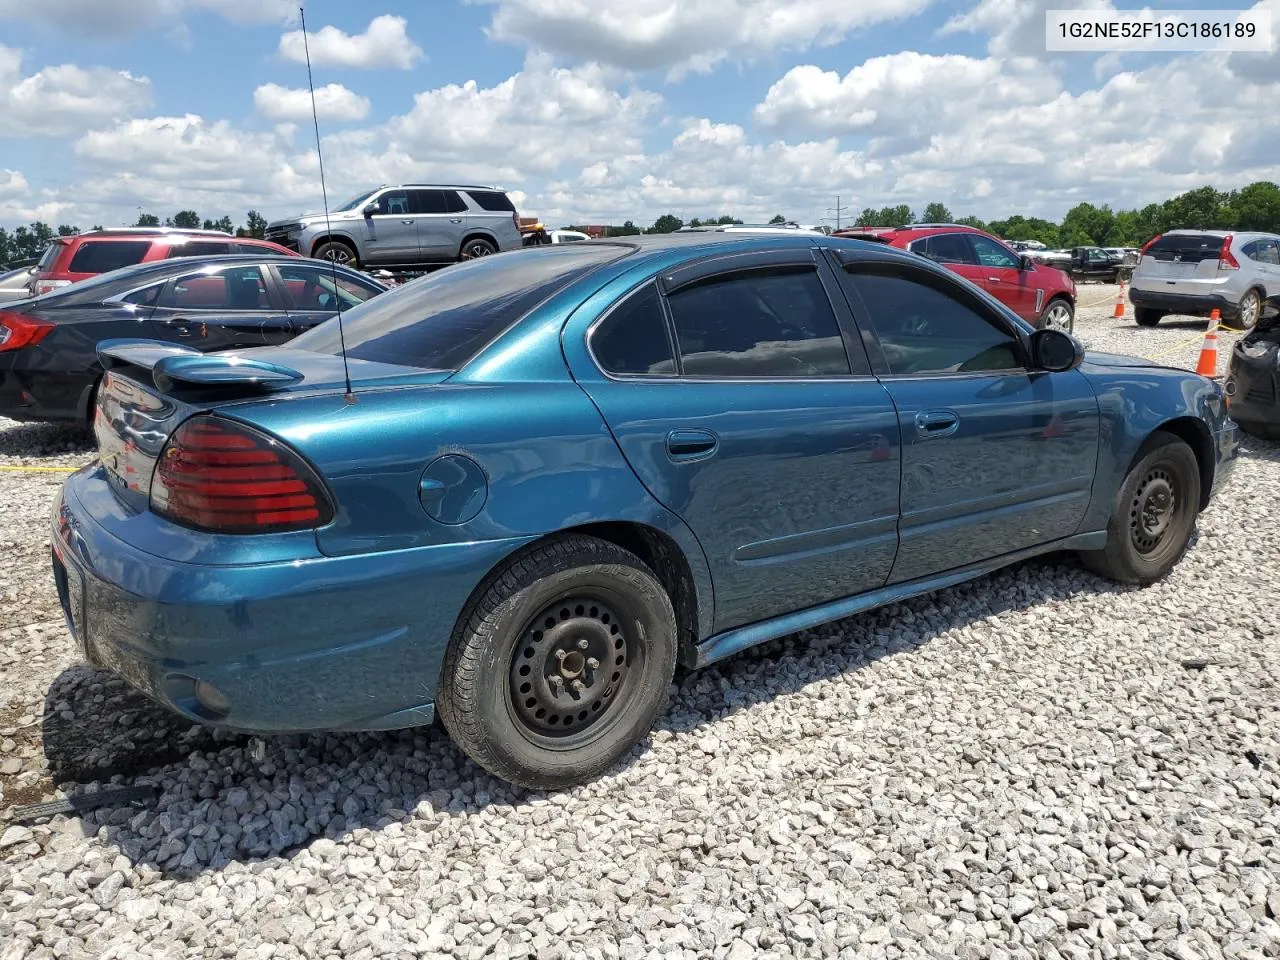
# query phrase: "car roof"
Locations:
[[139, 274]]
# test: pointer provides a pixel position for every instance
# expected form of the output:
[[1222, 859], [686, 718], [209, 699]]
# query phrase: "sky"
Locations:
[[600, 111]]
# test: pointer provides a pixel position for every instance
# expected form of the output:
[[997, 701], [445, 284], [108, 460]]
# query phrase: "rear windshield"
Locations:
[[1186, 247], [492, 200], [50, 255], [442, 320], [99, 256]]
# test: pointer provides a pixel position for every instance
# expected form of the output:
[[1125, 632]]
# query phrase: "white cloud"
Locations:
[[12, 183], [121, 17], [385, 44], [685, 34], [1015, 27], [333, 102], [63, 99]]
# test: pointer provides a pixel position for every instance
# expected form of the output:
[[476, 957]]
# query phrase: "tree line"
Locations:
[[1255, 207], [27, 243]]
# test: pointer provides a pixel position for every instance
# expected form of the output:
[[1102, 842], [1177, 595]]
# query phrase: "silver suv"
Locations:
[[409, 225], [1193, 272]]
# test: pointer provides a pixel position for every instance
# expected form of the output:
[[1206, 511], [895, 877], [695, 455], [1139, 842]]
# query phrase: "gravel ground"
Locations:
[[1035, 764]]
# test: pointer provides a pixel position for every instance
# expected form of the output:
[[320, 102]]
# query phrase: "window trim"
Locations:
[[976, 262], [264, 275], [957, 290], [725, 264]]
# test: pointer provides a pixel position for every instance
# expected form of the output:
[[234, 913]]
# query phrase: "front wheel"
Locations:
[[1058, 315], [1154, 514], [338, 252], [561, 665]]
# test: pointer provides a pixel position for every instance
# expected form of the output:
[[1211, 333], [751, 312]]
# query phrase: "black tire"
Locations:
[[1256, 428], [508, 675], [474, 247], [1250, 307], [1054, 311], [1143, 546], [1146, 317], [338, 251]]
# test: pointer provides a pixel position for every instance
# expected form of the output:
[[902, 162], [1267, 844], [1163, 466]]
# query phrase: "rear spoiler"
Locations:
[[859, 235], [170, 364]]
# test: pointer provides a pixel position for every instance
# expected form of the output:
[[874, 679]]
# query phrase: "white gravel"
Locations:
[[1037, 764]]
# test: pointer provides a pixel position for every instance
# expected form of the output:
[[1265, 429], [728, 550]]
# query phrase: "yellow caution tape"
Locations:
[[20, 469]]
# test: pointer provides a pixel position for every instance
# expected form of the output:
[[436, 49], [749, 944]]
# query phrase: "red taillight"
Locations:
[[1147, 245], [224, 477], [18, 331], [1226, 259]]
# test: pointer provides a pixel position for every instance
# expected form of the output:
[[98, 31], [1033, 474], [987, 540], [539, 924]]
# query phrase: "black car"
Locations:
[[1253, 379], [48, 358]]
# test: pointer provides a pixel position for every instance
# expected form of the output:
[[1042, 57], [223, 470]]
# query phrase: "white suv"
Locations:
[[1193, 272]]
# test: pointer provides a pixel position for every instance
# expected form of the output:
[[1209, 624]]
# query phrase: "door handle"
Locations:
[[406, 221], [455, 219], [936, 423], [691, 444], [994, 279]]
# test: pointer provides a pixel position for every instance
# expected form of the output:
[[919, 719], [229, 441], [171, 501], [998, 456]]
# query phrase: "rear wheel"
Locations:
[[1146, 317], [1058, 315], [477, 247], [1154, 514], [1248, 311], [561, 665]]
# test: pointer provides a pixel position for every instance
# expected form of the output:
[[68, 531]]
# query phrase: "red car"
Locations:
[[69, 259], [1038, 294]]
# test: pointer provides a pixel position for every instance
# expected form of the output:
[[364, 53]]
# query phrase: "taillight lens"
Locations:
[[1147, 245], [1226, 259], [48, 286], [18, 330], [222, 476]]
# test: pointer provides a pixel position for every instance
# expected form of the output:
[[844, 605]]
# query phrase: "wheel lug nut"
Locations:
[[561, 654], [577, 686], [582, 643], [592, 662], [557, 686]]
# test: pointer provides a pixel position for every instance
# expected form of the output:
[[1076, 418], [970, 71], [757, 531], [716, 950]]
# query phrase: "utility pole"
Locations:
[[838, 208]]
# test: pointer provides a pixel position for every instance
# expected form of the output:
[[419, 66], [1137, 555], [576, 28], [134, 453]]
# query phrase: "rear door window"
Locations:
[[436, 201], [758, 323], [442, 320], [200, 248], [100, 256], [234, 288], [1186, 247], [946, 248], [1263, 251]]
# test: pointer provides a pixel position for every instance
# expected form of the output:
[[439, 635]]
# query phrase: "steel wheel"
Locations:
[[1058, 316], [568, 669], [1152, 510]]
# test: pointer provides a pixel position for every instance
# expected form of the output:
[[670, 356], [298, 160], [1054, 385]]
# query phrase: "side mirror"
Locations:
[[1055, 351], [370, 209], [1025, 262]]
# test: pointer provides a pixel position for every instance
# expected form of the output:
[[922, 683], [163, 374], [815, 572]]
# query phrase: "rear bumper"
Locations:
[[1195, 305], [346, 643]]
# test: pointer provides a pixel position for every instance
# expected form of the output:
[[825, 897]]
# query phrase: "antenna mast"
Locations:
[[349, 396]]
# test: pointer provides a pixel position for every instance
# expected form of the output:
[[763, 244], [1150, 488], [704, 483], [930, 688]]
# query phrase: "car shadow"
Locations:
[[43, 439], [233, 798]]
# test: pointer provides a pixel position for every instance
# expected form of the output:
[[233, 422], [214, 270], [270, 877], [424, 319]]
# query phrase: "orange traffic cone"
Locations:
[[1208, 364], [1118, 313]]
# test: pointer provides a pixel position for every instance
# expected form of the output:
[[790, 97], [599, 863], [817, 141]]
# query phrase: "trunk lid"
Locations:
[[151, 387], [1181, 263]]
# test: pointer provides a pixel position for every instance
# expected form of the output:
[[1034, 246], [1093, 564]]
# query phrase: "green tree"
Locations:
[[725, 220], [886, 217], [147, 220], [628, 229], [972, 221], [1203, 208], [1086, 225], [30, 241], [1019, 227], [937, 213], [1257, 207], [778, 218], [187, 219], [257, 226], [667, 223], [66, 230], [6, 246]]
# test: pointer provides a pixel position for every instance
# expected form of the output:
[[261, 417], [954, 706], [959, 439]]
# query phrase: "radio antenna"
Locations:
[[349, 396]]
